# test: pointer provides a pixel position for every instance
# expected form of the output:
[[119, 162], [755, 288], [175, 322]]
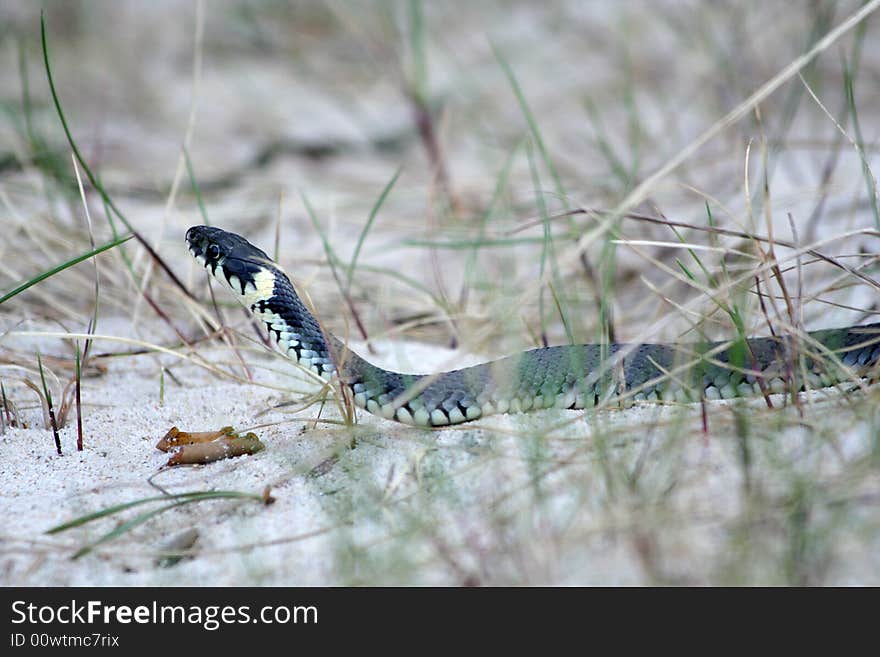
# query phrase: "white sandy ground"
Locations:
[[355, 523]]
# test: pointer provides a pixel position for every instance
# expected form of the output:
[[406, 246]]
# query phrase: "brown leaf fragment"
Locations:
[[175, 437], [226, 447]]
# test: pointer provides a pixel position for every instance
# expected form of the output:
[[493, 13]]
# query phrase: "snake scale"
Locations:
[[568, 377]]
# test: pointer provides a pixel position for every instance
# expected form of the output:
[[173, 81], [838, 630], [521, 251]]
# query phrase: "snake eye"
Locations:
[[213, 252]]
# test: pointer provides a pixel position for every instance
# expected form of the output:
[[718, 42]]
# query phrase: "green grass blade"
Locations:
[[419, 70], [532, 123], [375, 210], [125, 527], [65, 265], [848, 79], [109, 511], [188, 498], [96, 183], [194, 183], [70, 140], [49, 407]]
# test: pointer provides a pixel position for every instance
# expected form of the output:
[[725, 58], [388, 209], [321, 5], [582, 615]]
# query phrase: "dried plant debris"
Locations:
[[224, 448], [196, 447], [9, 415], [176, 438]]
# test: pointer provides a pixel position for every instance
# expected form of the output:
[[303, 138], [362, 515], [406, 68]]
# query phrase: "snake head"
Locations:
[[229, 257]]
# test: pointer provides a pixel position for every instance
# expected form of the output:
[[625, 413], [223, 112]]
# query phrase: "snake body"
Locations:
[[567, 377]]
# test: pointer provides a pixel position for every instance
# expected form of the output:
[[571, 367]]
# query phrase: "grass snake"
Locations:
[[567, 377]]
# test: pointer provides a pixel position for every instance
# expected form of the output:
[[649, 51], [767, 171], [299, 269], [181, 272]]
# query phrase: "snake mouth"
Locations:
[[206, 246], [196, 242], [198, 254]]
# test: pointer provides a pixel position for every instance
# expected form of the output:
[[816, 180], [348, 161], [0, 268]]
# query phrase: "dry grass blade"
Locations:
[[748, 236]]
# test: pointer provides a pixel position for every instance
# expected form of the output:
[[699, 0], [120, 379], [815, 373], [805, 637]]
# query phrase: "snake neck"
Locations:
[[273, 300]]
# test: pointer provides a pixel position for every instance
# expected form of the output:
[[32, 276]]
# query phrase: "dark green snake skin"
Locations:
[[572, 377]]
